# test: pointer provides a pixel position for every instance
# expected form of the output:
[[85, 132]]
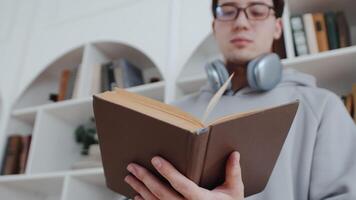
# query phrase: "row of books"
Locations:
[[16, 154], [318, 32], [117, 73]]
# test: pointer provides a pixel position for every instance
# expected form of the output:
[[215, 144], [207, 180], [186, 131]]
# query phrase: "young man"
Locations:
[[318, 158]]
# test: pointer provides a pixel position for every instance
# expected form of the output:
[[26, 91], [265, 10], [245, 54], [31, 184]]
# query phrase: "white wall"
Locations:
[[33, 33]]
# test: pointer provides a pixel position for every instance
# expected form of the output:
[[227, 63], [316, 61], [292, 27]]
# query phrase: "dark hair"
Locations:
[[278, 7]]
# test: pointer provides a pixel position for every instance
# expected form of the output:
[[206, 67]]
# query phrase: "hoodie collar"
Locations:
[[290, 77]]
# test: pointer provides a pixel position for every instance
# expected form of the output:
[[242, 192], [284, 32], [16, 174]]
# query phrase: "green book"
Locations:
[[331, 27]]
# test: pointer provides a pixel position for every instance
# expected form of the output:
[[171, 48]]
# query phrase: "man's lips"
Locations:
[[240, 41]]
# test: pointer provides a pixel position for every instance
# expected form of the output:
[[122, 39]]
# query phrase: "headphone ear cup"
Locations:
[[217, 75], [213, 76], [264, 72]]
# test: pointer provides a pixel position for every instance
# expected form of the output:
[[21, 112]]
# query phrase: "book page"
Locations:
[[216, 99]]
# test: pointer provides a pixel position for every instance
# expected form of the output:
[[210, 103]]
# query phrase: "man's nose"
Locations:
[[241, 20]]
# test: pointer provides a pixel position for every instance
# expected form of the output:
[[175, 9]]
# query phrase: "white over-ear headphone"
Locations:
[[263, 73]]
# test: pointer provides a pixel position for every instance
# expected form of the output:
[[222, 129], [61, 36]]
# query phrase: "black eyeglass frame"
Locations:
[[239, 9]]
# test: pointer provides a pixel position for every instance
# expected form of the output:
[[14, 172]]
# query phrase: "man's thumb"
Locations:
[[233, 179]]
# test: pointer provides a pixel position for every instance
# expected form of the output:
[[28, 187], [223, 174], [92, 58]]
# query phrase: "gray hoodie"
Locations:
[[318, 159]]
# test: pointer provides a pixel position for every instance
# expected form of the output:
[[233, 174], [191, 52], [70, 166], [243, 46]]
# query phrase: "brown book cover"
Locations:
[[26, 143], [11, 157], [321, 32], [344, 29], [133, 128], [63, 84]]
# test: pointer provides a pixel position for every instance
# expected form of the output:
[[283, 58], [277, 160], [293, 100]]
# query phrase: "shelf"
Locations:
[[305, 6], [79, 172], [152, 90], [37, 93], [334, 70], [313, 6], [98, 53], [89, 187], [34, 188], [55, 130], [193, 83]]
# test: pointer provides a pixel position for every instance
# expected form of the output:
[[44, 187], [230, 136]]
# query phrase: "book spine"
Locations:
[[299, 36], [26, 143], [196, 154], [111, 77], [321, 33], [63, 85], [104, 77], [132, 74], [344, 30], [12, 155], [310, 33], [333, 35], [71, 82]]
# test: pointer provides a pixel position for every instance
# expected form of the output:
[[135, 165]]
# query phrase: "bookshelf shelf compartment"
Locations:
[[32, 189], [334, 70], [90, 187], [37, 93], [98, 53], [54, 147]]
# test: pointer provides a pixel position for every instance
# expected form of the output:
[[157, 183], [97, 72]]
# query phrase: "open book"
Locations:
[[133, 128]]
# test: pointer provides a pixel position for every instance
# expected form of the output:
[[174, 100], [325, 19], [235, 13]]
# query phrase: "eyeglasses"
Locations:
[[255, 11]]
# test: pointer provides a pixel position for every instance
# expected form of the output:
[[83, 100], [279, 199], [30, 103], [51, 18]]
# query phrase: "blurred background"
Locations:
[[55, 54]]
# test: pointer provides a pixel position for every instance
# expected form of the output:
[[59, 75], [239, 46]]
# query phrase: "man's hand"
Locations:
[[150, 188]]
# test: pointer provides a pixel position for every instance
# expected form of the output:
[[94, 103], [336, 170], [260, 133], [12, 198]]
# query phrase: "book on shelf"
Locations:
[[299, 36], [63, 84], [71, 84], [332, 32], [134, 128], [120, 73], [310, 33], [68, 86], [350, 102], [323, 31], [344, 30], [26, 143], [16, 154]]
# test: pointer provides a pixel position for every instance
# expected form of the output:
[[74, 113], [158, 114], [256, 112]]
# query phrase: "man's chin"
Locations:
[[242, 56]]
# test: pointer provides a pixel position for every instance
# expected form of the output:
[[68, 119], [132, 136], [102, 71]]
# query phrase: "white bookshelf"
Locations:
[[49, 175], [335, 69]]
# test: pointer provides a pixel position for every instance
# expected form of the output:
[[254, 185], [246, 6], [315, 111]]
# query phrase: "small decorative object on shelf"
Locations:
[[154, 79], [86, 135]]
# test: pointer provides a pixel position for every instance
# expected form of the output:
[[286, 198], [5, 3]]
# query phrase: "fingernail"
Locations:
[[131, 168], [127, 179], [236, 158], [156, 162]]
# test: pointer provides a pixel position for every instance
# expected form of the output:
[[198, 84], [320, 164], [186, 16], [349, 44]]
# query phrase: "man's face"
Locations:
[[242, 39]]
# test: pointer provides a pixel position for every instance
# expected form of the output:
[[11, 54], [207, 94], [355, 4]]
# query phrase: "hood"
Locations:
[[290, 77]]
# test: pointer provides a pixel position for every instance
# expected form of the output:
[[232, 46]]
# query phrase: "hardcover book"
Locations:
[[133, 128]]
